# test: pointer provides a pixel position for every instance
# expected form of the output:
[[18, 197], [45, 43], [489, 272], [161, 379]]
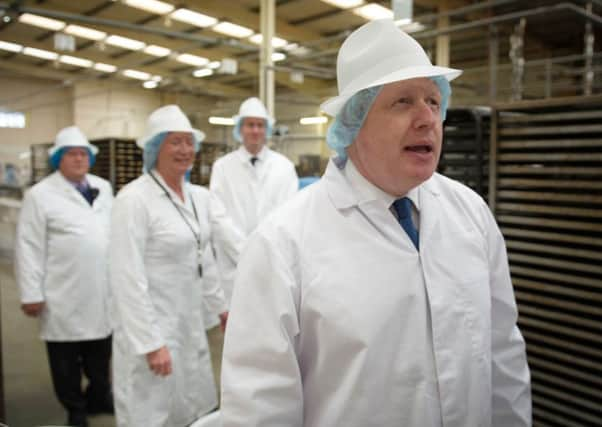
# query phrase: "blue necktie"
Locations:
[[403, 207], [85, 191]]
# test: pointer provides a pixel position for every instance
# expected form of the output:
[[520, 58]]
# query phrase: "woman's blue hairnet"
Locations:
[[55, 159], [152, 147], [151, 151], [348, 122], [236, 131]]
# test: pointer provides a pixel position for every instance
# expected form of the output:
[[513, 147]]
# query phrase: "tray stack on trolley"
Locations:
[[546, 192], [465, 152]]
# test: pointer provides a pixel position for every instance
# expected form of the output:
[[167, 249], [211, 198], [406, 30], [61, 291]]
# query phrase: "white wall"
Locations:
[[48, 107], [113, 109], [119, 109]]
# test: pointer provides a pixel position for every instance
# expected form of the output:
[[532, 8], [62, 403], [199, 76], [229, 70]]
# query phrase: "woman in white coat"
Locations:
[[162, 271]]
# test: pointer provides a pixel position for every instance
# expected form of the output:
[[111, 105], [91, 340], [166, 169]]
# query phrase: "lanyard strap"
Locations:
[[196, 216]]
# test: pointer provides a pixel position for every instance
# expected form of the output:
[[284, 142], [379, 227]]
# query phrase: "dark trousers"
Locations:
[[68, 360]]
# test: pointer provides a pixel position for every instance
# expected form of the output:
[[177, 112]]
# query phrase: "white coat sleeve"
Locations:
[[261, 379], [292, 184], [30, 250], [214, 300], [511, 383], [129, 284], [225, 232]]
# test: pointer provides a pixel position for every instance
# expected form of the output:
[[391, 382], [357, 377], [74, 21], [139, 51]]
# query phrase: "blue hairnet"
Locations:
[[55, 159], [236, 131], [445, 91], [347, 123], [349, 120], [152, 147], [151, 151]]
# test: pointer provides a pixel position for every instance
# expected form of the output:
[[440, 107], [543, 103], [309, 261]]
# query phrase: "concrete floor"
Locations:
[[28, 393]]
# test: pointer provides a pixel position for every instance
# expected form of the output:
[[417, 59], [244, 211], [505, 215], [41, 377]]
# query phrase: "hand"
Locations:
[[159, 361], [223, 319], [33, 309]]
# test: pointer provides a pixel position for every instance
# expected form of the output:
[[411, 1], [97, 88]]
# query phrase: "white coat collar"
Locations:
[[245, 156], [347, 187], [69, 188], [173, 195]]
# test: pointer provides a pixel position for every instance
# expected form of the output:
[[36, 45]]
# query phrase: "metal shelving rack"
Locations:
[[546, 193]]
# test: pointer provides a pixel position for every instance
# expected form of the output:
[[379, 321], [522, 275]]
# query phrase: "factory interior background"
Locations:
[[524, 130]]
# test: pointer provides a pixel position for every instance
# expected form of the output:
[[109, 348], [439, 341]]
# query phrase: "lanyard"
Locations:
[[197, 237]]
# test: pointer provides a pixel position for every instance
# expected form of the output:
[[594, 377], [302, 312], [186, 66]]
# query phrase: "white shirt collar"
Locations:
[[246, 156], [367, 191]]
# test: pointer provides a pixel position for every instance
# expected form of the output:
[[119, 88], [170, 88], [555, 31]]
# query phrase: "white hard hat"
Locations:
[[378, 53], [71, 137], [168, 119], [253, 107]]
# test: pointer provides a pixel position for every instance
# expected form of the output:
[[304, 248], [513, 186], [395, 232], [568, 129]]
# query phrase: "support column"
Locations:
[[443, 40], [266, 72]]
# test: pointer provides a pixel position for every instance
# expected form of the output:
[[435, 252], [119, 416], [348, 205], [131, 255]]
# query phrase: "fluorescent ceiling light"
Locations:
[[11, 47], [85, 33], [155, 50], [295, 49], [411, 27], [135, 74], [344, 4], [72, 60], [277, 42], [150, 84], [224, 121], [193, 18], [233, 30], [278, 56], [214, 65], [41, 21], [373, 11], [105, 68], [125, 43], [40, 53], [197, 61], [313, 120], [203, 72], [152, 6]]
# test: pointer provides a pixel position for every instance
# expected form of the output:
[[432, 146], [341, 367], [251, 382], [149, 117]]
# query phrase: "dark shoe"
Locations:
[[77, 419]]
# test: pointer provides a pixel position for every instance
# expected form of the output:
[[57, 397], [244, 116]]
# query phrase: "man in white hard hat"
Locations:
[[382, 292], [246, 185], [62, 271]]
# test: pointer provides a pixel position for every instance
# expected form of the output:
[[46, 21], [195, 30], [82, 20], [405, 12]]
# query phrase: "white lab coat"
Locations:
[[357, 329], [242, 195], [159, 301], [61, 258]]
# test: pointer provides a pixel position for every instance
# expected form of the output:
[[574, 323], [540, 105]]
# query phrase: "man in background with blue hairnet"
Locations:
[[62, 270], [381, 293], [246, 185]]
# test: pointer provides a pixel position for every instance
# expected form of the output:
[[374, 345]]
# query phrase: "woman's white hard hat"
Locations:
[[378, 53], [169, 118], [71, 136]]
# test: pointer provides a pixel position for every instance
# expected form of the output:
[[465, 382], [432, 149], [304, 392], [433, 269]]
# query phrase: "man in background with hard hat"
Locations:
[[381, 295], [246, 185], [62, 271]]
